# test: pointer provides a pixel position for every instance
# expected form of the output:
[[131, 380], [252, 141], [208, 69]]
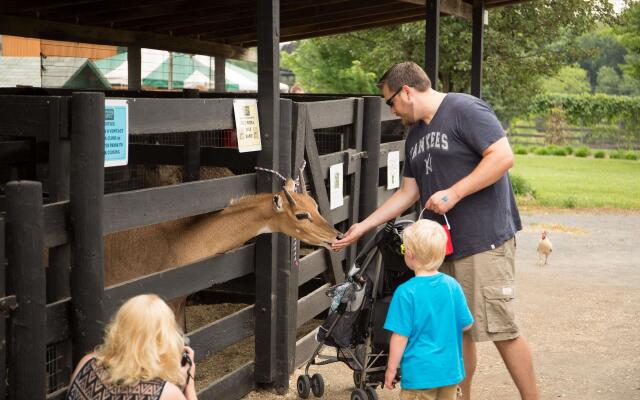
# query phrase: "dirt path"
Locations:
[[580, 313]]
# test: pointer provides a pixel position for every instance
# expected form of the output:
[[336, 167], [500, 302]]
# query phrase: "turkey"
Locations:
[[544, 247]]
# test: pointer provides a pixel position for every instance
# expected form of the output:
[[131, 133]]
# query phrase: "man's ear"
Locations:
[[277, 203]]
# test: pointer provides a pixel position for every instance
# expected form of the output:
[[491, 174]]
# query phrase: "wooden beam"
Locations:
[[432, 41], [134, 65], [90, 34], [457, 8], [476, 47]]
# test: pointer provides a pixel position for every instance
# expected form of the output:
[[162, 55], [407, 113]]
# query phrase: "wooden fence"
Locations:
[[576, 136], [67, 306]]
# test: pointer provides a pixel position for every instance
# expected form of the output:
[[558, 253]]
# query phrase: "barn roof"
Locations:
[[222, 27]]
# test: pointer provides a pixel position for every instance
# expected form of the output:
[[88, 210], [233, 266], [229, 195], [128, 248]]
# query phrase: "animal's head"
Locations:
[[544, 234], [297, 216]]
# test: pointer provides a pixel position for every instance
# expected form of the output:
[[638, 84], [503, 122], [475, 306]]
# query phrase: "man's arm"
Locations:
[[402, 199], [396, 348], [496, 160]]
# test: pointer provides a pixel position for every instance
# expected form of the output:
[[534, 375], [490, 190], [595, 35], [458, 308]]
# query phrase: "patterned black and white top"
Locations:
[[89, 385]]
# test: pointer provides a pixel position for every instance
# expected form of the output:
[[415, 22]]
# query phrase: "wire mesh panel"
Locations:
[[58, 371]]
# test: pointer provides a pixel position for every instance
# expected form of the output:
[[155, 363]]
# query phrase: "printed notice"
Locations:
[[116, 132], [336, 182], [393, 170], [247, 125]]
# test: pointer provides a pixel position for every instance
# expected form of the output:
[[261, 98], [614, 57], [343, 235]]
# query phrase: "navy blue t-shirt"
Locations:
[[441, 153]]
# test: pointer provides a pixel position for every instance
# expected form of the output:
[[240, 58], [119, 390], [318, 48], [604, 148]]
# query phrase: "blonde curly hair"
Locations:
[[142, 342]]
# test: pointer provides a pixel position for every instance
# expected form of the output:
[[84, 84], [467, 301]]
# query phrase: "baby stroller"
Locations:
[[354, 325]]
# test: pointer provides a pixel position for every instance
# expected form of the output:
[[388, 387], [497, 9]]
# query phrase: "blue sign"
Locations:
[[116, 133]]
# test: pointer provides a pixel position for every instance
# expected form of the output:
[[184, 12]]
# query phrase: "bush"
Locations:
[[558, 151], [569, 202], [521, 187], [630, 155], [568, 149], [519, 149], [583, 152], [542, 152], [533, 149], [599, 154], [618, 154]]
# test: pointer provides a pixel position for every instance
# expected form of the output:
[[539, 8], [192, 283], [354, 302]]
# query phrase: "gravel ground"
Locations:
[[580, 314]]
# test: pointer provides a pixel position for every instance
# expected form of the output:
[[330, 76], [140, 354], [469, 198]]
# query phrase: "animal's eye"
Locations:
[[303, 216]]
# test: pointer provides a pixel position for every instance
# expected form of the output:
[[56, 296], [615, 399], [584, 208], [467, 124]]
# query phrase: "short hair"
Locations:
[[142, 342], [405, 73], [428, 242]]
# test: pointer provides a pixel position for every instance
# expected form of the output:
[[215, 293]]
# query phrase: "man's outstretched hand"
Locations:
[[354, 233]]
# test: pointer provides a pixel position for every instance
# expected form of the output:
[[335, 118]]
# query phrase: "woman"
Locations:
[[141, 357]]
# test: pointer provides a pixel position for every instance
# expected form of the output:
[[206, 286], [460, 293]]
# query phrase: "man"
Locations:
[[456, 163]]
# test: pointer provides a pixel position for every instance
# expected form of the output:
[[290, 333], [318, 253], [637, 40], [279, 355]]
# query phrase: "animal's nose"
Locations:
[[339, 236]]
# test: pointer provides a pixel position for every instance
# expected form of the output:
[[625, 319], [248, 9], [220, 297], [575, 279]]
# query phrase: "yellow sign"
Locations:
[[247, 125]]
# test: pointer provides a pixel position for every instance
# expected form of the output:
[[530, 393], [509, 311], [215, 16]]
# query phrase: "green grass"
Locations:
[[570, 182]]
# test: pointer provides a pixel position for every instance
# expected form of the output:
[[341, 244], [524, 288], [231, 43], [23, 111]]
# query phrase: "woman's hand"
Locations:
[[190, 371]]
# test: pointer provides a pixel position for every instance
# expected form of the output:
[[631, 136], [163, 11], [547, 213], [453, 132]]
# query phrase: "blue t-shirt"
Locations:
[[432, 312]]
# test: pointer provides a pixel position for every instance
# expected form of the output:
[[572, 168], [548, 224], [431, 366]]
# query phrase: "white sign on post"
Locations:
[[116, 132], [336, 183], [247, 125], [393, 170]]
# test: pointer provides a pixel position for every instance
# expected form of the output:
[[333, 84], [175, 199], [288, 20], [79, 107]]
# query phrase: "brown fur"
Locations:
[[142, 251]]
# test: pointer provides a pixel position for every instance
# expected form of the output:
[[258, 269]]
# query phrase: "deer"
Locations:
[[141, 251]]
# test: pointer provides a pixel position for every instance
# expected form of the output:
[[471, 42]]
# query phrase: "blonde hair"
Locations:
[[428, 241], [142, 342]]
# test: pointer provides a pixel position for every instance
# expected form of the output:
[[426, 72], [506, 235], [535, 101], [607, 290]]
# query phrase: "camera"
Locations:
[[185, 359], [185, 355]]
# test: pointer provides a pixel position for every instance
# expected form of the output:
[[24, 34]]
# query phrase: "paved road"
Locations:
[[581, 314]]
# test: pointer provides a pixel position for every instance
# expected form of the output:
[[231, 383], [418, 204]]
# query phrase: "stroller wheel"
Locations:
[[317, 385], [359, 394], [303, 386], [371, 393], [357, 378]]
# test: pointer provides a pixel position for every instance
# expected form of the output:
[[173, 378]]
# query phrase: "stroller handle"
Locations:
[[388, 229]]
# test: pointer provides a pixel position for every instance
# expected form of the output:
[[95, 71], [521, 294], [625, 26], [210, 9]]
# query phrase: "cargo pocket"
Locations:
[[498, 301]]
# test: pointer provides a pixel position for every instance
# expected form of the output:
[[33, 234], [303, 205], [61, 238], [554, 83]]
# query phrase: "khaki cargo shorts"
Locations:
[[441, 393], [488, 283]]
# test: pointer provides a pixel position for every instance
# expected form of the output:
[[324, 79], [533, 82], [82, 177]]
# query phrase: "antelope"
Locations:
[[141, 251]]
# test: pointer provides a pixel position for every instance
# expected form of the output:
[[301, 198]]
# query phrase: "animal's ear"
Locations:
[[277, 203]]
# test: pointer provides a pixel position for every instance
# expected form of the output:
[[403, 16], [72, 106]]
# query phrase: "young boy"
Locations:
[[427, 316]]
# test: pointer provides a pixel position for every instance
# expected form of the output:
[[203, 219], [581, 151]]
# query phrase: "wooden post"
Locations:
[[191, 146], [3, 324], [356, 178], [85, 212], [221, 75], [25, 229], [59, 159], [287, 275], [432, 41], [134, 65], [371, 164], [476, 48], [268, 24]]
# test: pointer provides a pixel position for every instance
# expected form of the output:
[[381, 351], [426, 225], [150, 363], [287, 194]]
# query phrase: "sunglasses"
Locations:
[[389, 101]]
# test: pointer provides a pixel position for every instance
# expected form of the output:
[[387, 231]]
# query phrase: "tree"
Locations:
[[570, 80], [600, 48], [629, 29], [522, 43]]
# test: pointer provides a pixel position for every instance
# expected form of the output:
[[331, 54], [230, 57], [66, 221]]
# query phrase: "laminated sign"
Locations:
[[393, 170], [116, 132], [247, 125], [336, 182]]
